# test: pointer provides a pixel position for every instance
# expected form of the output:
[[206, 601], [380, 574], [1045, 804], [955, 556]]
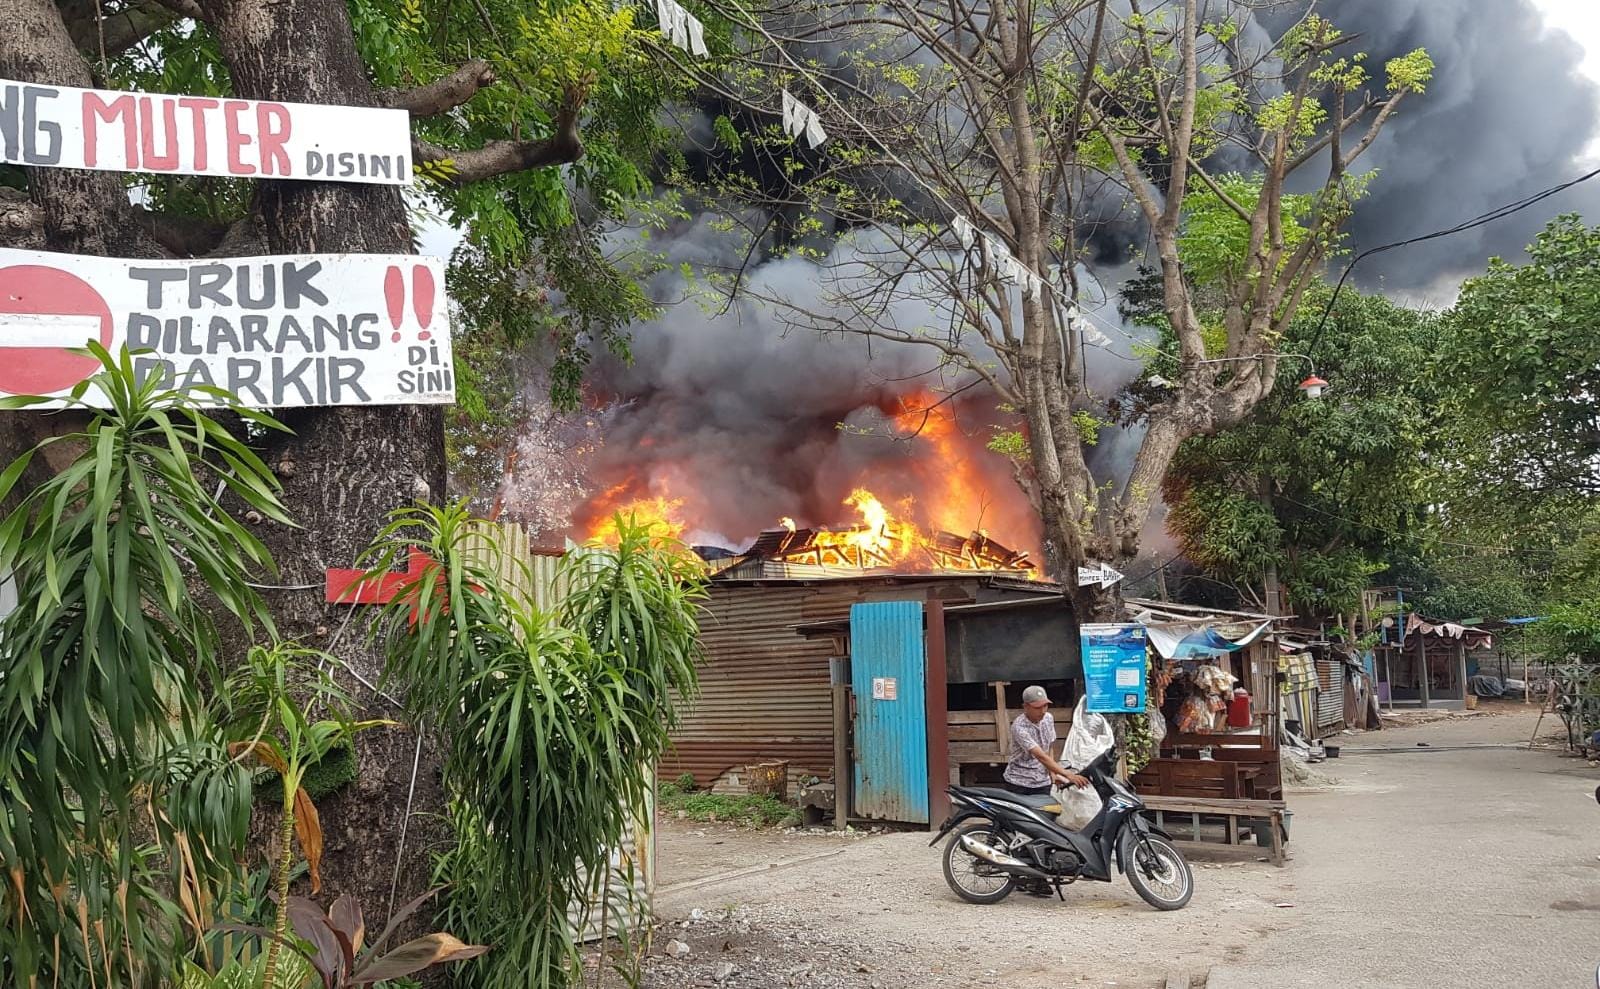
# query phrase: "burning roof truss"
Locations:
[[859, 549]]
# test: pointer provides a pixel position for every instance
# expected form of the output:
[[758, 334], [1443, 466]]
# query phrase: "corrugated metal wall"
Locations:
[[1330, 694], [888, 670], [764, 691]]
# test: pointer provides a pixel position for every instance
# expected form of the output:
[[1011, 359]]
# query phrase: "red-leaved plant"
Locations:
[[336, 939]]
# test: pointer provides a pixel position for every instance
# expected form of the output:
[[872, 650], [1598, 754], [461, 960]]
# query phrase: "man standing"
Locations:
[[1032, 767]]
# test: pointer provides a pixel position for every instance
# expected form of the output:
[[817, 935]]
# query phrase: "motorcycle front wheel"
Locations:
[[1156, 870], [972, 878]]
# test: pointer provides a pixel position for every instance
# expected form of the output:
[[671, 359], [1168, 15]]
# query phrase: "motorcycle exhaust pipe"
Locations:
[[997, 857]]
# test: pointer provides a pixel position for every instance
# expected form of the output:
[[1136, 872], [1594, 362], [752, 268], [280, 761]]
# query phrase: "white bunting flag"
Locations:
[[1094, 336], [681, 27], [964, 232], [789, 113], [800, 119], [815, 135]]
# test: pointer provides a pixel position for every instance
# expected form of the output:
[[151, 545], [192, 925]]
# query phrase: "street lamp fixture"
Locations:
[[1313, 387]]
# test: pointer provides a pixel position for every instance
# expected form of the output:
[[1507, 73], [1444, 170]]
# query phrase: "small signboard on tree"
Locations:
[[64, 127], [276, 332]]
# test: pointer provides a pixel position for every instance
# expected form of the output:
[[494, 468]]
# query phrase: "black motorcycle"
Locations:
[[1003, 840]]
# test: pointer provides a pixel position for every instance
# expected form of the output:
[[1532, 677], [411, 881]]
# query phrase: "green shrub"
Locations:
[[748, 809]]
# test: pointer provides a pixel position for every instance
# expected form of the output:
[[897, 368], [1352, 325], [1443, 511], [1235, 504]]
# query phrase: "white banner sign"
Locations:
[[323, 329], [62, 127]]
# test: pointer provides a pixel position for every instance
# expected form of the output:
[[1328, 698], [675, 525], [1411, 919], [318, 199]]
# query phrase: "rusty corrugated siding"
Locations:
[[764, 690]]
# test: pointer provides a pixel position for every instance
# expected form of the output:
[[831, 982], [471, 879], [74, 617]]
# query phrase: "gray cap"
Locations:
[[1034, 695]]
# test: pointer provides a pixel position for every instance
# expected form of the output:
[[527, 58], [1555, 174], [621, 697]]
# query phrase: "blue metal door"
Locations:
[[887, 676]]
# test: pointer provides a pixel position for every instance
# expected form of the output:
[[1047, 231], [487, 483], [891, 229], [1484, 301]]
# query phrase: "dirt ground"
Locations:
[[1464, 861]]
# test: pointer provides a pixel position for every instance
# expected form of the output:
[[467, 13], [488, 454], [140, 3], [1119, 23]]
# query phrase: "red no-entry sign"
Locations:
[[43, 312]]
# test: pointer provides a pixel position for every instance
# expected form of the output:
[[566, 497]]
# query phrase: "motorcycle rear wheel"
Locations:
[[969, 876], [1156, 870]]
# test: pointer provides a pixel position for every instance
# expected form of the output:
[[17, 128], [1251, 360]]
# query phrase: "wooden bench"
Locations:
[[1260, 776], [1230, 813]]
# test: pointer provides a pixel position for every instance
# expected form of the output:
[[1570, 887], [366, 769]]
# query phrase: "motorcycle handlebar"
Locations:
[[1101, 764]]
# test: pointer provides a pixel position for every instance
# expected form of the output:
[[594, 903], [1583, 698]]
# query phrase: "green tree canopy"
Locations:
[[1326, 489], [1523, 360]]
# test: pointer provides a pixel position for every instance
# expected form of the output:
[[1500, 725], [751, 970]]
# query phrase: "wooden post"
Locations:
[[937, 708], [843, 771], [1269, 580], [1422, 664], [1276, 823], [1002, 724]]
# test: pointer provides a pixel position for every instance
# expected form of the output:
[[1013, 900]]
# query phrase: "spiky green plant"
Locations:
[[282, 708], [548, 723], [119, 814]]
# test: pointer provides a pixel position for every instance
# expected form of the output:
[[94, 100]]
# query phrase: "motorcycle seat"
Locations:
[[1042, 801]]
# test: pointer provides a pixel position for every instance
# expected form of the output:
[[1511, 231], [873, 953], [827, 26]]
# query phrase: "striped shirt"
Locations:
[[1023, 769]]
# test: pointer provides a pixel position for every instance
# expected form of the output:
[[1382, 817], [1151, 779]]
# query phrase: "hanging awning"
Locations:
[[1200, 640]]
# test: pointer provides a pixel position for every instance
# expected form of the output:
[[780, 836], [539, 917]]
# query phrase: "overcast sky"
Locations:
[[1581, 19]]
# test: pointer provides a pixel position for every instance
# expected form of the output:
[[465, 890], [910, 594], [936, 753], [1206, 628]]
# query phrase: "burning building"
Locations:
[[880, 543], [907, 483]]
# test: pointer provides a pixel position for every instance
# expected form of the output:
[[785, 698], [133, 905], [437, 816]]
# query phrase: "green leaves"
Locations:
[[1411, 72], [103, 668], [1525, 358], [548, 721], [1349, 476]]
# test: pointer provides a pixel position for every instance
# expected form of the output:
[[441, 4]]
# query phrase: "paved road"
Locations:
[[1448, 868]]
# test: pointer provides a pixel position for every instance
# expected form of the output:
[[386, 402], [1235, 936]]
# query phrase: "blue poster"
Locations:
[[1113, 668]]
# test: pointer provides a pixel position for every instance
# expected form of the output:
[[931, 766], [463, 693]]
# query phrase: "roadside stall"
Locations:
[[1217, 773]]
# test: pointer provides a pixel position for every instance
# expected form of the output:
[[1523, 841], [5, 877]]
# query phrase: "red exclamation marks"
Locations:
[[422, 291], [394, 295]]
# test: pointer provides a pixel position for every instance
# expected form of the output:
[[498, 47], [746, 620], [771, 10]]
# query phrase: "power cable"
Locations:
[[1482, 219]]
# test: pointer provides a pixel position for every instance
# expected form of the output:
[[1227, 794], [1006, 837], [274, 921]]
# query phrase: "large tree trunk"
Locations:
[[344, 470]]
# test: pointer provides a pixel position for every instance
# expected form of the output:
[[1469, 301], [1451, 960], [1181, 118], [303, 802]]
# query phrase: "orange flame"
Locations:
[[663, 515], [933, 510], [880, 540], [955, 495]]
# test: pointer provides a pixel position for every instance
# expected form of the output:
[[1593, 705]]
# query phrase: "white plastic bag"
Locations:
[[1089, 736], [1079, 805]]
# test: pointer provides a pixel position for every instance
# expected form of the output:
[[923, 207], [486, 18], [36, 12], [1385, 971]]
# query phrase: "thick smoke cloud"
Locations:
[[740, 417], [1507, 114], [749, 420]]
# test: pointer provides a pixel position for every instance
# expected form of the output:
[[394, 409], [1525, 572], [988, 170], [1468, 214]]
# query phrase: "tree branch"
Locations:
[[562, 147], [443, 94], [184, 8]]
